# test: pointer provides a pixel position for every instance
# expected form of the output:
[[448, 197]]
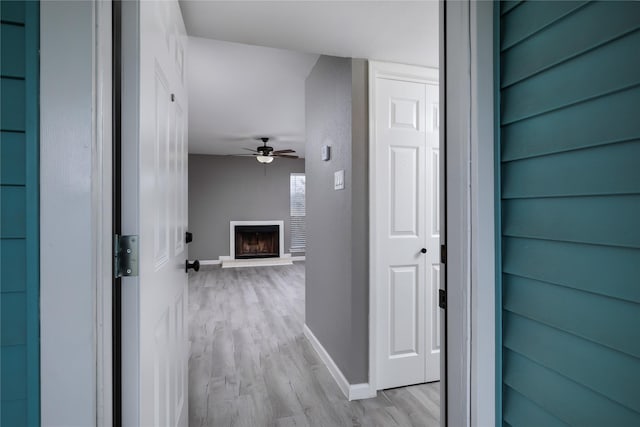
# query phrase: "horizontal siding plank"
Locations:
[[585, 29], [576, 266], [575, 312], [12, 43], [12, 158], [13, 265], [13, 212], [531, 17], [13, 318], [508, 5], [12, 11], [13, 381], [14, 412], [570, 402], [602, 220], [595, 122], [574, 404], [521, 412], [606, 169], [575, 80], [611, 373], [12, 105]]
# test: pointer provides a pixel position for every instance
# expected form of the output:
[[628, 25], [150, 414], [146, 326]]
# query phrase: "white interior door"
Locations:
[[155, 338], [406, 235]]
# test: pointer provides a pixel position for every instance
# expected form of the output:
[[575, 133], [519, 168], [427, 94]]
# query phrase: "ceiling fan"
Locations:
[[266, 154]]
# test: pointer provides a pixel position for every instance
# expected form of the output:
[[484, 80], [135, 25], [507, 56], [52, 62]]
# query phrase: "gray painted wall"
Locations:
[[224, 188], [337, 230], [360, 217]]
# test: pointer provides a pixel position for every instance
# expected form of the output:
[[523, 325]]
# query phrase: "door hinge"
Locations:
[[443, 254], [125, 256], [442, 298]]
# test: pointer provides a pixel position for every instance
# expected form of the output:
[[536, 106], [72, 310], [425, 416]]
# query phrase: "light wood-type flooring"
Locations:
[[250, 364]]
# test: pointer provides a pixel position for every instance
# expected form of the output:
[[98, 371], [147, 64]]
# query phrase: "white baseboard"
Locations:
[[210, 262], [361, 391], [350, 391], [298, 258]]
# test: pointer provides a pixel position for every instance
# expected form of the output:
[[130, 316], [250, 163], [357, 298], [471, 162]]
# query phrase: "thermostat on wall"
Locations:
[[326, 153]]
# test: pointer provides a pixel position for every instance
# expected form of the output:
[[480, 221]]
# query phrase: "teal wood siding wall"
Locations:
[[19, 242], [569, 155]]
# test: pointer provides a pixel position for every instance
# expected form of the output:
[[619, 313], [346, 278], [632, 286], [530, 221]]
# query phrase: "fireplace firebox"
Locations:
[[257, 241]]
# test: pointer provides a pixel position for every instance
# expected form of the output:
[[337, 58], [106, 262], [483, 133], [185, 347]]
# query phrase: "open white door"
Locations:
[[406, 218], [154, 184]]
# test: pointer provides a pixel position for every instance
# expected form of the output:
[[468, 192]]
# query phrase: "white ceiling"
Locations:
[[238, 91]]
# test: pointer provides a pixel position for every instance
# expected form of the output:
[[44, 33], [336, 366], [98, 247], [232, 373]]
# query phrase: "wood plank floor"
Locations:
[[250, 364]]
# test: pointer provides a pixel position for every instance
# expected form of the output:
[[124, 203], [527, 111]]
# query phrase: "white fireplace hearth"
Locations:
[[261, 258]]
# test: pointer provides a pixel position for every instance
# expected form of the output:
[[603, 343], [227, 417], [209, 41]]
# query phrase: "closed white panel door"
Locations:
[[406, 238], [157, 207]]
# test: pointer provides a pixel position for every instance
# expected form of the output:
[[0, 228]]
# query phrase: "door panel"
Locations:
[[403, 313], [403, 186], [155, 207], [406, 145]]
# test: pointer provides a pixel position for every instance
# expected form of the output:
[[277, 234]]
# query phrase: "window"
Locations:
[[298, 212]]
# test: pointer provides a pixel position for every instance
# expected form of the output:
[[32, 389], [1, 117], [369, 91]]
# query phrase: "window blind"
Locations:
[[297, 212]]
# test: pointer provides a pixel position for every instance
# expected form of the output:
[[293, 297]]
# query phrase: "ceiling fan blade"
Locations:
[[288, 150], [249, 149], [286, 156], [240, 155]]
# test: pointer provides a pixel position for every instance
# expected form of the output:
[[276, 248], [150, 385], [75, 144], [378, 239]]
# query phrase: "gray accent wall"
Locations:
[[225, 188], [337, 298], [360, 217]]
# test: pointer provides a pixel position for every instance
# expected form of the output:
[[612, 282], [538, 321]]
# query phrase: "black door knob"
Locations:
[[195, 265], [423, 250], [188, 237]]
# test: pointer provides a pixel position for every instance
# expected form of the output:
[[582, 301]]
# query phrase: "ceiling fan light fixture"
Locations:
[[264, 159]]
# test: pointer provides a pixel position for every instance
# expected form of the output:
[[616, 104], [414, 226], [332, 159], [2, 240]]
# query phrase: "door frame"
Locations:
[[466, 30], [469, 353], [409, 73], [467, 80], [75, 216]]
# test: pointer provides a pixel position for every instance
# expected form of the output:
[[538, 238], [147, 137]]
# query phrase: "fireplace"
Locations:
[[255, 244], [257, 241]]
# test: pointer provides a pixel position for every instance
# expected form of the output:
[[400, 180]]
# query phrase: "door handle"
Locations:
[[195, 265], [188, 237], [423, 250]]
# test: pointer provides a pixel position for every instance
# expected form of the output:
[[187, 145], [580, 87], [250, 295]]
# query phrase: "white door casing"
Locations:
[[155, 338], [433, 198], [405, 219]]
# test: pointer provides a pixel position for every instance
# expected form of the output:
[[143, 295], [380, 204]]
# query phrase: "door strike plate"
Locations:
[[125, 256]]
